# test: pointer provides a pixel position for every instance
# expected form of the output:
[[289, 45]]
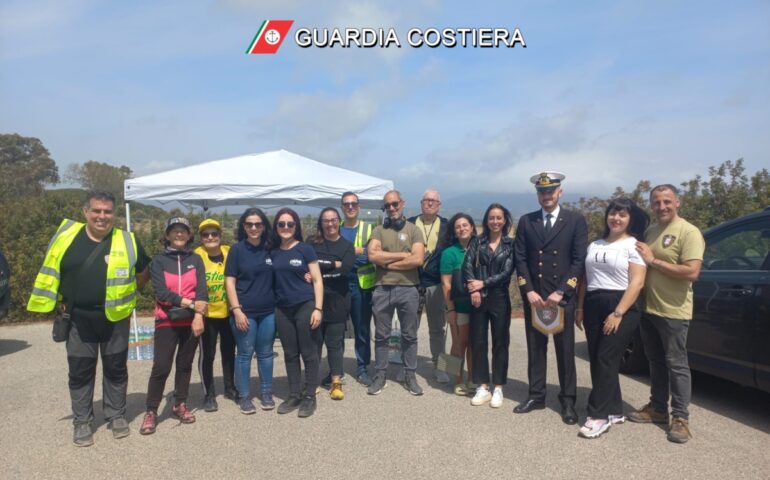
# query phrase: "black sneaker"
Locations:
[[306, 406], [364, 379], [232, 394], [83, 436], [119, 427], [378, 384], [290, 404], [410, 383], [210, 403]]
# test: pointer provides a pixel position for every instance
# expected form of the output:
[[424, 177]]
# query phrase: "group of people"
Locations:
[[273, 279]]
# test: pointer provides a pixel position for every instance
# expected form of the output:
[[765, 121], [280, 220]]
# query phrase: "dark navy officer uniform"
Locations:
[[550, 254]]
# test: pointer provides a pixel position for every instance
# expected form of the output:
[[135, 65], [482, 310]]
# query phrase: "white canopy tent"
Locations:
[[270, 179]]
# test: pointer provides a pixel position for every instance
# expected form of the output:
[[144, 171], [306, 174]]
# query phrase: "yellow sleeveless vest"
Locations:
[[366, 273], [215, 282], [120, 299]]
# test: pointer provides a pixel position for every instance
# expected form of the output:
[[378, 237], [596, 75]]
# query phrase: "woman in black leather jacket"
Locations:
[[487, 270]]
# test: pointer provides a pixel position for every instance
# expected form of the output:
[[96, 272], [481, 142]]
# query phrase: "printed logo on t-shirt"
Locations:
[[295, 262], [402, 237], [668, 240], [268, 261], [107, 259]]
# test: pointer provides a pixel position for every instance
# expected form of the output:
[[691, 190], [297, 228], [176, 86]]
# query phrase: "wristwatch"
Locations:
[[617, 314], [560, 292]]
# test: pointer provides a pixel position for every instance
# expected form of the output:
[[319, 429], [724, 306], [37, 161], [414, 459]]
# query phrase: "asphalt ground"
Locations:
[[392, 435]]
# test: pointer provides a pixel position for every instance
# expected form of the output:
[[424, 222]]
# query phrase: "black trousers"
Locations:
[[298, 339], [537, 350], [494, 312], [605, 351], [336, 312], [170, 340], [216, 327]]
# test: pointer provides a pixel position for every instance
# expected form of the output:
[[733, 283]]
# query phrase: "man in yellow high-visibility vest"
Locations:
[[93, 270], [361, 281]]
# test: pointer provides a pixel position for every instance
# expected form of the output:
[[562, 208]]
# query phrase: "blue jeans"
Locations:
[[258, 338], [361, 317]]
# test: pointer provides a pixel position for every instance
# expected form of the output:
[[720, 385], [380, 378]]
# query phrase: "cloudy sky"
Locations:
[[607, 92]]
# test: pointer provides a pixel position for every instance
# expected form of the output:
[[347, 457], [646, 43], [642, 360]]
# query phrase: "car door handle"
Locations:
[[738, 291]]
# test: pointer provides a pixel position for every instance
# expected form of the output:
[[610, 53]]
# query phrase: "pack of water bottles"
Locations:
[[141, 346]]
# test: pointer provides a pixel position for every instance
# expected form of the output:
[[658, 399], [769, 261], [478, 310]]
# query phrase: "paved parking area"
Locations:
[[395, 435]]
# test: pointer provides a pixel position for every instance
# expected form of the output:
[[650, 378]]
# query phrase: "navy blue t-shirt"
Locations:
[[252, 268], [290, 267]]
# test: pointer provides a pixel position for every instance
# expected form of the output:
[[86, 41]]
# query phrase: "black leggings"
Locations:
[[495, 311], [216, 327], [167, 339], [298, 339], [336, 312], [605, 351]]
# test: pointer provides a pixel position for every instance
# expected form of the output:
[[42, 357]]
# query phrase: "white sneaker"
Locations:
[[617, 419], [441, 376], [482, 396], [497, 398], [594, 427]]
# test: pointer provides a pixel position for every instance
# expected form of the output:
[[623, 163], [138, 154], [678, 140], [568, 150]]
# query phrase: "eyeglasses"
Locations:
[[431, 200], [285, 224], [253, 225], [393, 205], [350, 204], [213, 234], [333, 221]]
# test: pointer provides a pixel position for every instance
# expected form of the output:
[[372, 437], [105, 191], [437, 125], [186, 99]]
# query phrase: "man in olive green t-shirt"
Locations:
[[673, 251], [397, 249]]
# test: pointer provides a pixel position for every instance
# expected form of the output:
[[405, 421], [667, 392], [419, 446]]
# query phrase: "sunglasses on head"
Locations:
[[283, 224], [253, 224], [350, 204], [393, 205]]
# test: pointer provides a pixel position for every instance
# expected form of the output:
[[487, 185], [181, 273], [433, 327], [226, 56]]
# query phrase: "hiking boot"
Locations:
[[679, 432], [306, 406], [266, 401], [210, 403], [411, 385], [481, 397], [290, 404], [378, 384], [183, 413], [647, 414], [336, 392], [246, 406], [149, 423], [594, 427], [119, 427], [83, 436]]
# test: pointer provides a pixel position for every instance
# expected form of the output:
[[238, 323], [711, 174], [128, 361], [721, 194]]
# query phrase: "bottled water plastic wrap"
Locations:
[[143, 347]]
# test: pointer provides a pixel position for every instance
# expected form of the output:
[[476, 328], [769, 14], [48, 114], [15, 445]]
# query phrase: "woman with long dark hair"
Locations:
[[299, 310], [487, 270], [249, 285], [460, 230], [607, 308], [336, 257]]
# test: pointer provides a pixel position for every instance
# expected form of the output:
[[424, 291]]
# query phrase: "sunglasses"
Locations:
[[214, 234], [350, 204], [283, 224], [253, 224], [430, 201], [393, 205]]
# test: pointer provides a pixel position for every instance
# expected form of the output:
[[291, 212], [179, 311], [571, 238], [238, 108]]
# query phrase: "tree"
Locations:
[[94, 175], [25, 166]]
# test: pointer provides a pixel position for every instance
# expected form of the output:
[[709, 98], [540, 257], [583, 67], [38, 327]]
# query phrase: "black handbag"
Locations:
[[459, 288], [62, 322], [180, 313]]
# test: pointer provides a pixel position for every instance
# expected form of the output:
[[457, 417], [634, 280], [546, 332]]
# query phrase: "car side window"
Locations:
[[745, 247]]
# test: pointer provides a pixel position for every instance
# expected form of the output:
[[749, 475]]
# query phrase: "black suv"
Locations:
[[729, 336]]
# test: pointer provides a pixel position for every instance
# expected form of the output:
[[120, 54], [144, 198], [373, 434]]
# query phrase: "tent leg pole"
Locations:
[[134, 326]]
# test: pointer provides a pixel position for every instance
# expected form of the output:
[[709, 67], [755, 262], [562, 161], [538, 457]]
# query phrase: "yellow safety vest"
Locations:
[[215, 281], [120, 299], [366, 273]]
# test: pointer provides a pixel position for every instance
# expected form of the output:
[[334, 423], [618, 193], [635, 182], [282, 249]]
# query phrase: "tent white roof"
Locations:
[[268, 179]]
